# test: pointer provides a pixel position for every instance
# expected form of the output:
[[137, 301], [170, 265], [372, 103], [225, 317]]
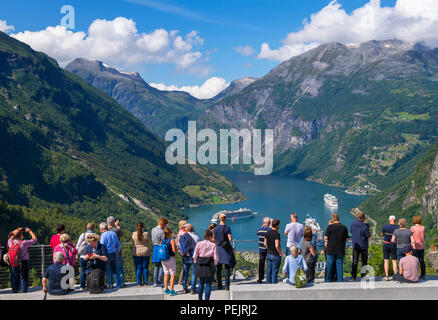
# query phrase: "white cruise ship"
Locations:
[[233, 215], [331, 200]]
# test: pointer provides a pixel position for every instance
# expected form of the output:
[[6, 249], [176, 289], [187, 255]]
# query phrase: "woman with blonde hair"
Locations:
[[181, 231], [418, 232], [141, 254], [68, 249], [292, 263]]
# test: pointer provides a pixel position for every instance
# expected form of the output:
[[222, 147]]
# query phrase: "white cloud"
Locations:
[[208, 89], [245, 51], [4, 26], [117, 42], [413, 21]]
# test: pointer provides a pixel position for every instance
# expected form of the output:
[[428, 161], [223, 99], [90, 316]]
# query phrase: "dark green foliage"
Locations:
[[67, 145]]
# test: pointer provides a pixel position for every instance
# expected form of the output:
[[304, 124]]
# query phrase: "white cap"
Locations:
[[392, 218]]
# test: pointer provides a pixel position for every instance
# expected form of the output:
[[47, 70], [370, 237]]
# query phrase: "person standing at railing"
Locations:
[[181, 231], [205, 258], [309, 252], [187, 249], [114, 225], [273, 257], [112, 243], [157, 235], [68, 250], [360, 234], [81, 245], [96, 257], [418, 232], [169, 266], [223, 236], [402, 237], [141, 254], [261, 233], [336, 236], [294, 232], [54, 240], [21, 247], [389, 248]]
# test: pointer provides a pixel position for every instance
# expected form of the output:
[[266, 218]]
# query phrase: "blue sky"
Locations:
[[222, 26]]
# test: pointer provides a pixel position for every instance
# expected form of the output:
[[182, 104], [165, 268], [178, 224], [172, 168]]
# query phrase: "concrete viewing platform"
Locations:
[[251, 290]]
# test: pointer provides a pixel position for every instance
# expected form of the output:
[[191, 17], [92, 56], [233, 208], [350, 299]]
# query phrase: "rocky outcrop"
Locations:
[[429, 200]]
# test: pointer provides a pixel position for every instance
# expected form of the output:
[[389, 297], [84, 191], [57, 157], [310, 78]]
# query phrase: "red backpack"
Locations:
[[15, 254]]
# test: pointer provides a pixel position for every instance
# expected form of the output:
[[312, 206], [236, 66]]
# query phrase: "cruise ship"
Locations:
[[312, 223], [242, 213], [331, 200]]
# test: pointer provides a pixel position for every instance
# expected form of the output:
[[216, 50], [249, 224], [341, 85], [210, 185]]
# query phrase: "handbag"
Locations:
[[300, 278], [225, 243], [204, 268], [75, 267]]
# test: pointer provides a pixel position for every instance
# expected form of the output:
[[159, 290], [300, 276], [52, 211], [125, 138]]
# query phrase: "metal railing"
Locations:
[[41, 258]]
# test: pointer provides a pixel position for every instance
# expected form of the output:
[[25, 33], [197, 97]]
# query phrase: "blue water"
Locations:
[[275, 197]]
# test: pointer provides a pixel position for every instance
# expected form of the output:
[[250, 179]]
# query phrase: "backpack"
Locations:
[[14, 254], [161, 251], [83, 246], [300, 278], [96, 281], [204, 268], [188, 245]]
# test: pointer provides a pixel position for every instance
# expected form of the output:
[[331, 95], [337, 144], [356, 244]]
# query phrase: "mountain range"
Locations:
[[353, 115], [68, 149]]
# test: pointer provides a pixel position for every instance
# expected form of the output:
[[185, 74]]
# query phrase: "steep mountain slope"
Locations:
[[417, 194], [158, 110], [235, 87], [67, 145], [347, 115]]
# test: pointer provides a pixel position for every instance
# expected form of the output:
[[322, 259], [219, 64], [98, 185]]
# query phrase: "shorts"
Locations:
[[389, 250], [169, 266]]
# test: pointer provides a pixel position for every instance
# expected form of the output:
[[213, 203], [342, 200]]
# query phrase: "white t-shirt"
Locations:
[[294, 232]]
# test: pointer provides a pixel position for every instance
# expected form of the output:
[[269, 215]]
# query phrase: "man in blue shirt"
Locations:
[[262, 249], [54, 274], [112, 243], [360, 233]]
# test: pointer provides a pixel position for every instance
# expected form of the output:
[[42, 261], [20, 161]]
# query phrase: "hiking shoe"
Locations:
[[186, 290], [167, 291], [172, 293], [386, 278], [259, 281], [194, 292]]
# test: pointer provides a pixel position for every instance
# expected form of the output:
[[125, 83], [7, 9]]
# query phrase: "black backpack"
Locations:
[[96, 281]]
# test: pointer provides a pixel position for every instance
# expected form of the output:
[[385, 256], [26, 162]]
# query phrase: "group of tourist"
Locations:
[[405, 246], [100, 256]]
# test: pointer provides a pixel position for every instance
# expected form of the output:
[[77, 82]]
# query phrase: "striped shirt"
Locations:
[[261, 233]]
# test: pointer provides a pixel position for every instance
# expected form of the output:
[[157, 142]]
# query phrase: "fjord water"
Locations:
[[275, 197]]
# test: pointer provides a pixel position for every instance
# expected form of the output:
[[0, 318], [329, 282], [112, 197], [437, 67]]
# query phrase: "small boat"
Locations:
[[331, 200], [233, 215]]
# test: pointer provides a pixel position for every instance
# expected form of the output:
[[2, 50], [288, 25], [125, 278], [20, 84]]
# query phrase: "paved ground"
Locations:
[[251, 290]]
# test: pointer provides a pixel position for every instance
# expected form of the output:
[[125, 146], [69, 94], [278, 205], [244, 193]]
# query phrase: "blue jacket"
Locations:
[[360, 232]]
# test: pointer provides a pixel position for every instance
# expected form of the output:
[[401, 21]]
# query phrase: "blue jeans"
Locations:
[[83, 272], [188, 264], [111, 269], [335, 261], [141, 269], [119, 266], [207, 282], [272, 268], [400, 254], [158, 273]]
